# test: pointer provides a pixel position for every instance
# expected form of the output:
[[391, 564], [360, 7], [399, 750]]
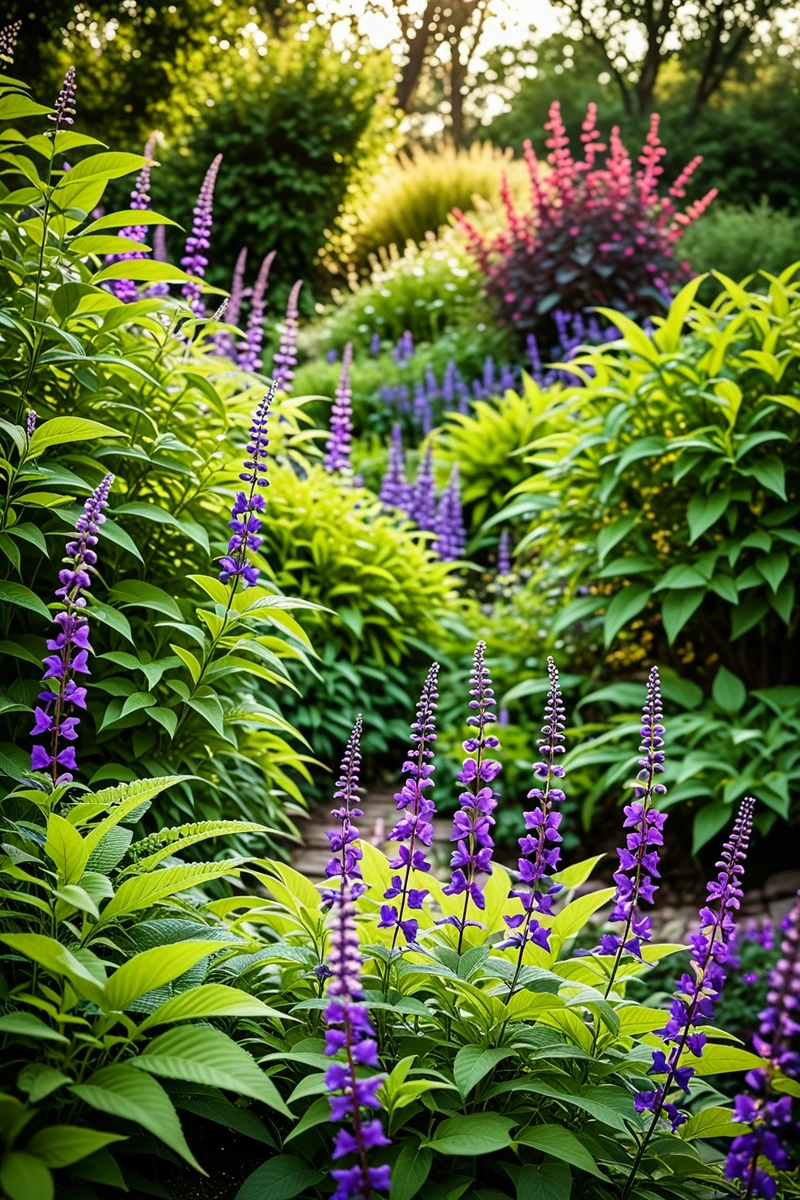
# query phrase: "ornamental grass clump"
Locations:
[[597, 232]]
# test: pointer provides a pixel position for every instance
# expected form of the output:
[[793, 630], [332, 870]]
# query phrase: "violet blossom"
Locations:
[[285, 358], [194, 260], [503, 555], [395, 491], [65, 102], [404, 348], [223, 341], [70, 648], [472, 823], [8, 41], [423, 499], [413, 829], [344, 867], [350, 1034], [375, 345], [30, 423], [245, 515], [249, 357], [125, 289], [451, 538], [337, 455]]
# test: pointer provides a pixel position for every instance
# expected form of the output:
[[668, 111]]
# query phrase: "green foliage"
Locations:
[[731, 239], [672, 504]]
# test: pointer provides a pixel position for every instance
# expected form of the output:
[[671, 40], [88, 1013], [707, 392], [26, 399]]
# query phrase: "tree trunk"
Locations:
[[417, 49]]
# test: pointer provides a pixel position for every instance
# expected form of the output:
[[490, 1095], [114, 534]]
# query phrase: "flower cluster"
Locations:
[[540, 853], [423, 498], [345, 864], [638, 859], [349, 1033], [194, 260], [395, 491], [285, 358], [504, 555], [472, 823], [249, 357], [413, 829], [699, 989], [30, 423], [8, 41], [245, 521], [65, 102], [125, 289], [337, 455], [768, 1116], [615, 235], [451, 537], [70, 647]]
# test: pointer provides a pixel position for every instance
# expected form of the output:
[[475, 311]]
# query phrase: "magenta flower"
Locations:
[[194, 260]]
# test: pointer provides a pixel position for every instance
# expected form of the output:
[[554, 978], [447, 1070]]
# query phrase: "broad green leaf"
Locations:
[[720, 1060], [57, 960], [122, 800], [39, 1080], [623, 607], [773, 567], [136, 592], [62, 1145], [728, 691], [409, 1172], [708, 822], [712, 1123], [638, 1018], [578, 873], [144, 270], [473, 1063], [574, 916], [62, 430], [25, 1024], [17, 593], [667, 337], [129, 216], [138, 893], [66, 848], [547, 1181], [705, 511], [121, 1091], [559, 1143], [677, 608], [480, 1133], [771, 474], [24, 1177], [209, 1056], [210, 1000], [152, 969], [280, 1178], [108, 164]]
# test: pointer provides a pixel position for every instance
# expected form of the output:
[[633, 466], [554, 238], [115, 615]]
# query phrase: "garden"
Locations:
[[399, 551]]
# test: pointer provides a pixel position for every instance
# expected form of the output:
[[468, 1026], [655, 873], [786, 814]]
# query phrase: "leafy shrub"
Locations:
[[592, 235], [670, 509], [731, 239]]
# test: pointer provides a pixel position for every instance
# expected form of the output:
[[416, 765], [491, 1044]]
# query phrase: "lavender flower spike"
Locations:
[[350, 1034], [159, 288], [65, 102], [344, 866], [8, 41], [250, 349], [337, 456], [285, 359], [538, 858], [245, 520], [503, 555], [413, 829], [70, 647], [395, 491], [30, 423], [698, 989], [451, 535], [125, 289], [194, 260], [472, 823], [423, 500], [769, 1117], [223, 341]]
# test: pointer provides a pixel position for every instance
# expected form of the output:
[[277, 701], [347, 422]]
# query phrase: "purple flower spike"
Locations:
[[30, 423], [698, 990], [337, 455], [70, 648], [404, 348], [413, 829], [250, 349], [245, 519], [65, 103], [540, 852], [159, 288], [503, 555], [395, 491], [350, 1039], [194, 260], [8, 41], [770, 1118], [285, 360], [375, 345], [451, 538], [223, 342], [344, 867], [125, 289], [472, 823], [423, 500], [638, 859]]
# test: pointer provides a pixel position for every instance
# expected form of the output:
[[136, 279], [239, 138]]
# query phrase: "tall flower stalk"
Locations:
[[413, 831], [54, 717], [223, 341], [472, 856], [451, 537], [698, 989], [8, 41], [503, 555], [344, 866], [125, 289], [350, 1039], [337, 455], [245, 521], [194, 260], [250, 349], [395, 490], [285, 358], [423, 498]]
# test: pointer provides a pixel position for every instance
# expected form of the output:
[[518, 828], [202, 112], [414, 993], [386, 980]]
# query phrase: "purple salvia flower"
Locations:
[[767, 1116], [250, 349], [285, 359], [125, 289], [699, 989], [503, 555], [431, 383], [331, 356], [70, 647], [423, 415], [30, 423], [337, 455], [350, 1036], [451, 538], [8, 41], [464, 398], [224, 344], [375, 345], [540, 853], [395, 491], [449, 384], [489, 377], [535, 359], [638, 859], [404, 348], [344, 867], [194, 260], [472, 823], [423, 500], [245, 520], [65, 103], [413, 829], [508, 380]]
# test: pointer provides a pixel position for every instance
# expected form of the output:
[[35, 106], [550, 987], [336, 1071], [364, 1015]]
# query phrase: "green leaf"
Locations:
[[123, 1092], [480, 1133], [547, 1181], [705, 511], [646, 447], [62, 1145], [409, 1172], [712, 1123], [109, 164], [152, 969], [773, 567], [138, 893], [721, 1060], [27, 1025], [771, 474], [747, 615], [16, 593], [473, 1063], [578, 873], [677, 608], [56, 960], [708, 822], [576, 610], [129, 216], [62, 430], [209, 1000], [40, 1080], [610, 535], [728, 691], [209, 1056], [574, 916], [66, 848], [560, 1143], [14, 106], [23, 1177], [132, 592], [623, 607], [280, 1178], [144, 270]]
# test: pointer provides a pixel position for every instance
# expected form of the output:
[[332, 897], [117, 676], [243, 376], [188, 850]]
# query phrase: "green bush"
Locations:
[[732, 239]]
